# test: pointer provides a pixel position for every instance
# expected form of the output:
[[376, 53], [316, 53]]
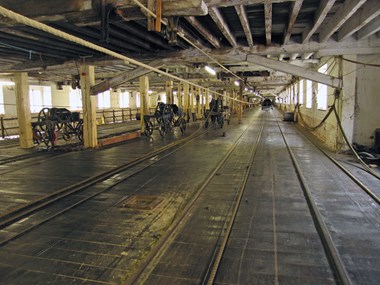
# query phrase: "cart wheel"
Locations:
[[37, 136], [50, 131], [65, 132], [44, 115], [162, 130], [148, 128], [182, 125], [79, 130]]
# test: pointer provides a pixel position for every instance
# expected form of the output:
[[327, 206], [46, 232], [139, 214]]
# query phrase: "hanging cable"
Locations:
[[333, 109], [362, 63], [366, 167]]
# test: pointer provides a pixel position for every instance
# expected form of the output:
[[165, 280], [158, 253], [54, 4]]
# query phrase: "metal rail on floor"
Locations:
[[170, 234], [15, 215], [331, 250]]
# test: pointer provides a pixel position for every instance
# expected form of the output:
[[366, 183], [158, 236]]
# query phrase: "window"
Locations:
[[138, 100], [75, 99], [2, 110], [309, 94], [124, 99], [46, 91], [104, 100], [322, 91], [162, 98], [40, 97], [301, 94]]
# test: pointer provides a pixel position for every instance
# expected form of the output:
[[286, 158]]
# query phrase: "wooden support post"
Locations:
[[159, 15], [233, 102], [90, 132], [179, 93], [198, 107], [151, 21], [23, 110], [225, 101], [192, 101], [169, 92], [230, 101], [240, 114], [202, 102], [144, 89], [186, 94]]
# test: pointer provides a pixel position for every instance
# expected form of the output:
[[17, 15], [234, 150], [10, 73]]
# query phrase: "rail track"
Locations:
[[11, 217], [211, 269], [202, 215]]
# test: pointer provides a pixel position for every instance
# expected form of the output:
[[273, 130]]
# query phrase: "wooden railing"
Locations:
[[9, 125]]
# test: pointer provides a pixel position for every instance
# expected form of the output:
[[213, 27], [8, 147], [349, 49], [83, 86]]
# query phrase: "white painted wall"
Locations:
[[115, 98], [367, 108], [60, 98], [9, 101], [358, 106], [328, 132], [348, 97]]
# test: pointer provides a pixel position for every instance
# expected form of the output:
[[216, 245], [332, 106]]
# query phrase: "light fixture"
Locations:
[[210, 70], [237, 83]]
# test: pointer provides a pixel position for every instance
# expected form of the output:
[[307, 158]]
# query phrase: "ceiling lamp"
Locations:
[[210, 70]]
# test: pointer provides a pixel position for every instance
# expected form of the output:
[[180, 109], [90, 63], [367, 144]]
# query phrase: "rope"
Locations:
[[331, 109], [366, 167], [43, 27], [362, 63]]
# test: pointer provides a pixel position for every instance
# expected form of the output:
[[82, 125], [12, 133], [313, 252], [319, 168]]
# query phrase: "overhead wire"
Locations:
[[361, 63]]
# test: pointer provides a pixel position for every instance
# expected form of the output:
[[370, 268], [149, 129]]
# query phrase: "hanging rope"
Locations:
[[333, 109], [366, 167], [362, 63]]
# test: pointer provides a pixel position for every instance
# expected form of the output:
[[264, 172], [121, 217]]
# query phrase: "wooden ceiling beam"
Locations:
[[295, 70], [230, 3], [222, 25], [203, 31], [345, 12], [295, 9], [369, 11], [324, 7], [240, 10], [268, 23], [170, 8], [369, 29], [124, 77]]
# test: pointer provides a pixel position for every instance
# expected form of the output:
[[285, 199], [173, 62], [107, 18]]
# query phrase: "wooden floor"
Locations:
[[274, 239]]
